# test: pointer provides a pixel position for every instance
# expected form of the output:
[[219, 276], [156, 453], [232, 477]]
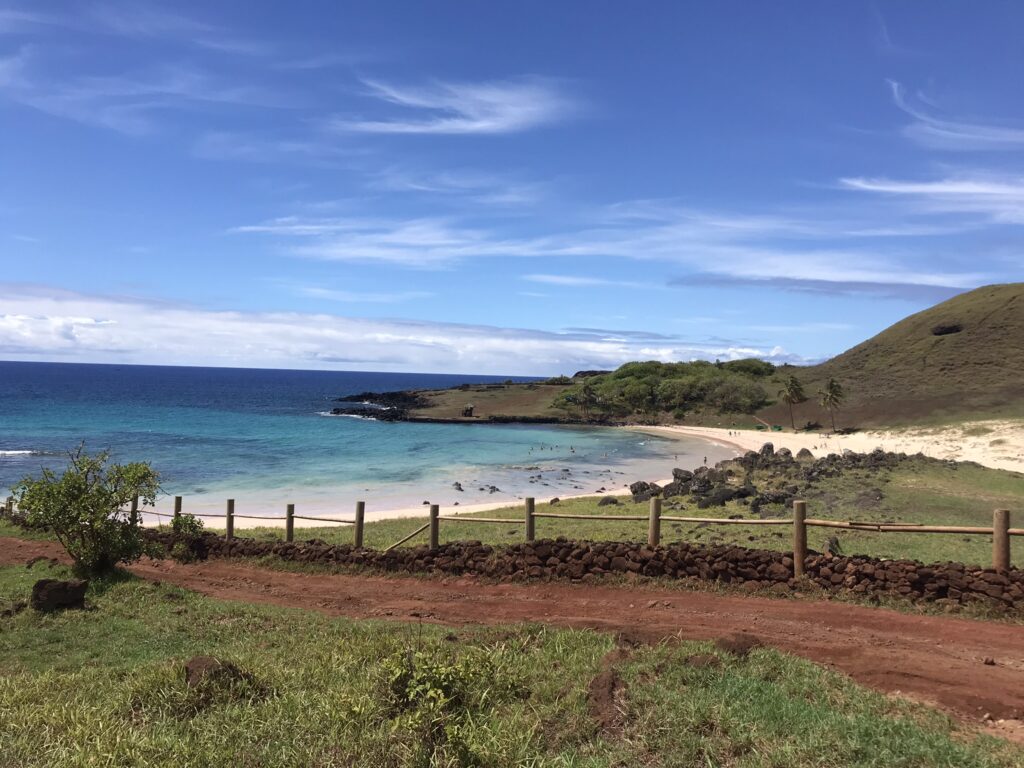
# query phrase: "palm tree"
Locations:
[[792, 394], [832, 398]]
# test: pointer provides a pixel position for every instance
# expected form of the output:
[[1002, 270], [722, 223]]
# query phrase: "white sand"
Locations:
[[996, 444]]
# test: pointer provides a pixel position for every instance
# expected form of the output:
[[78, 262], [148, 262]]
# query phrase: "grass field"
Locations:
[[926, 492], [105, 687]]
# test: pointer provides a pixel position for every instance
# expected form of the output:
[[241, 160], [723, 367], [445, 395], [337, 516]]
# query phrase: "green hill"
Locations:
[[961, 359]]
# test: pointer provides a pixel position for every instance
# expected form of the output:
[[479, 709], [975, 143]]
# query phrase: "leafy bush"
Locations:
[[84, 508], [431, 699], [187, 529]]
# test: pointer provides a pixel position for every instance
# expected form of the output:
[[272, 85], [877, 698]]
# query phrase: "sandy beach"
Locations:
[[996, 444]]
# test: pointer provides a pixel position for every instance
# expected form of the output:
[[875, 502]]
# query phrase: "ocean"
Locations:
[[265, 438]]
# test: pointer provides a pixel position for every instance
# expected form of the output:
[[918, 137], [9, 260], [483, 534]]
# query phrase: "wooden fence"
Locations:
[[1000, 531]]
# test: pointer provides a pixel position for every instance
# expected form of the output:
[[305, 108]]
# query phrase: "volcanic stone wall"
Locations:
[[749, 569]]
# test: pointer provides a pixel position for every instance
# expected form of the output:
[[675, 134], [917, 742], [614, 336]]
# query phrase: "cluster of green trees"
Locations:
[[650, 388]]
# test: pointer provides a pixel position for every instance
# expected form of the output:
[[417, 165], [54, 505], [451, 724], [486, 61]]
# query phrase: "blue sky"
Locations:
[[526, 187]]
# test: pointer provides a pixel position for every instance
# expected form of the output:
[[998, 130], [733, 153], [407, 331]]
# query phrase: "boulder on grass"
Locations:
[[607, 501], [50, 595], [643, 490]]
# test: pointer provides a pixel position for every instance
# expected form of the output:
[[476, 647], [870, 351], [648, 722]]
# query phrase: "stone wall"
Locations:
[[749, 569]]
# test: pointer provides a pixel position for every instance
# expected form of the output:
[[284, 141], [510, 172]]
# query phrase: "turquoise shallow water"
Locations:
[[263, 436]]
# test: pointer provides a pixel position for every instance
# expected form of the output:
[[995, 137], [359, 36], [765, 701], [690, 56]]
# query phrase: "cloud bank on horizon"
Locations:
[[462, 188]]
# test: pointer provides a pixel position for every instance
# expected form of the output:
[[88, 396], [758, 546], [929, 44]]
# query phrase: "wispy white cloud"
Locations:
[[18, 20], [45, 323], [588, 281], [135, 20], [708, 243], [940, 133], [485, 188], [311, 151], [361, 297], [507, 106], [997, 198], [573, 281], [126, 103]]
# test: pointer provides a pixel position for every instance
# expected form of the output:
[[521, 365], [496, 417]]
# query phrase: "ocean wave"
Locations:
[[24, 453], [345, 415]]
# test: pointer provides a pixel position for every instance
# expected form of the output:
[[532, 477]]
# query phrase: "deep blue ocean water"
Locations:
[[262, 435]]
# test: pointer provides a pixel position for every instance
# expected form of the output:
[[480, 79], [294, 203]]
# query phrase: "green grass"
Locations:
[[105, 687]]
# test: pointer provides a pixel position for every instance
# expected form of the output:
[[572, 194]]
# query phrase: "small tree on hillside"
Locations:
[[832, 397], [586, 398], [84, 508], [793, 394]]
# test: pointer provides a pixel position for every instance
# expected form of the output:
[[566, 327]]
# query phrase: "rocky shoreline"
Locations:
[[785, 477], [399, 406]]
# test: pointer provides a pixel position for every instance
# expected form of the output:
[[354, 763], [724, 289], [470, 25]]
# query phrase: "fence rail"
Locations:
[[1000, 531]]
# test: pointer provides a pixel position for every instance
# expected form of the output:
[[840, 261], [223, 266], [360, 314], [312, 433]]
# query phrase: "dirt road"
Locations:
[[971, 668]]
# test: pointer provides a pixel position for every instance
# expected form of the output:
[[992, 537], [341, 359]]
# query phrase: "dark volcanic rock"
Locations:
[[54, 595], [382, 406], [387, 399], [642, 490], [947, 584], [607, 501]]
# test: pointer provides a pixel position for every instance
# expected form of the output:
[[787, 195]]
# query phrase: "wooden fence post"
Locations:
[[530, 508], [1001, 539], [654, 524], [799, 538], [289, 523], [177, 507], [229, 524], [10, 506], [434, 525], [135, 510], [360, 515]]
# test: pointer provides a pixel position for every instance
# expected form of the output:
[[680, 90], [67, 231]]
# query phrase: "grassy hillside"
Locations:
[[532, 401], [961, 359]]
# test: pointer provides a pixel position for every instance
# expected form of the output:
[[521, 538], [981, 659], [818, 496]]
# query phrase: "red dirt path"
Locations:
[[938, 660]]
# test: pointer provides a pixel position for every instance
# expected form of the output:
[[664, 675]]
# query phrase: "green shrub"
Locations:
[[187, 531], [431, 700], [84, 508]]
